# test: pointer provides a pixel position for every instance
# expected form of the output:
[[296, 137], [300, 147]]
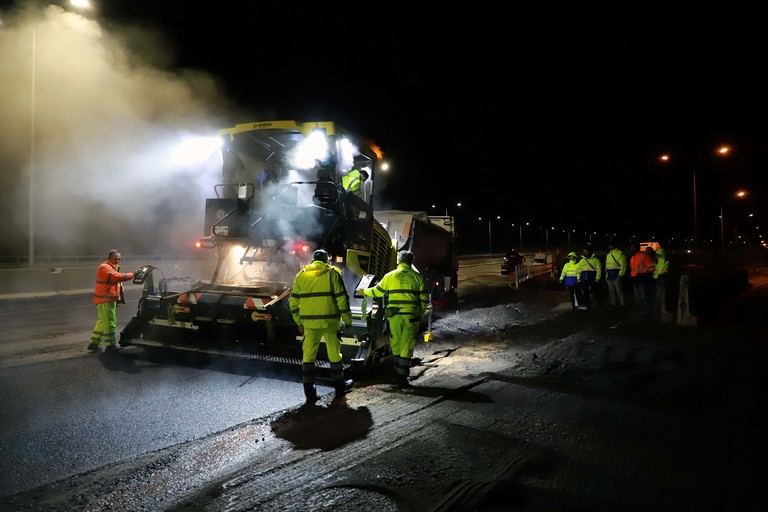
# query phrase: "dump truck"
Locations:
[[432, 240], [280, 198]]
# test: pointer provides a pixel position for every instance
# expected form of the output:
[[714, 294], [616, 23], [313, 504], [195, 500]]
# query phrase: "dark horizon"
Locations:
[[553, 116]]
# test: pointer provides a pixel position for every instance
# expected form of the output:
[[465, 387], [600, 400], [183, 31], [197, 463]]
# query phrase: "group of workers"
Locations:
[[319, 303], [582, 274]]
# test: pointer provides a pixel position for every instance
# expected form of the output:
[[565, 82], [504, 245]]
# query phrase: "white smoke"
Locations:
[[105, 123]]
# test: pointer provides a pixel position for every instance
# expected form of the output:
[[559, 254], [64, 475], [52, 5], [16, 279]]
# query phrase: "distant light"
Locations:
[[664, 158], [723, 150], [80, 4], [195, 150], [385, 166]]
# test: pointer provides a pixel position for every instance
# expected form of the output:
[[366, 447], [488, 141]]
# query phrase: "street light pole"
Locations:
[[490, 244], [722, 236], [695, 221], [79, 5], [32, 155]]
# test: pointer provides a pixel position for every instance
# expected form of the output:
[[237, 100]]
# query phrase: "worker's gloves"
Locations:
[[301, 329], [347, 325]]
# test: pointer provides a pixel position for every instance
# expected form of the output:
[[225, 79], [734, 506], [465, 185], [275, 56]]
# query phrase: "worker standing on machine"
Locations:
[[406, 303], [353, 181], [318, 301]]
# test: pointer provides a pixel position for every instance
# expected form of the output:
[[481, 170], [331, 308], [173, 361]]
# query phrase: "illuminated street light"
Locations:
[[721, 151], [741, 194], [458, 205]]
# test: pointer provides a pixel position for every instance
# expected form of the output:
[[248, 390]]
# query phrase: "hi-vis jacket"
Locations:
[[319, 299], [407, 291], [615, 264], [641, 265], [591, 268], [662, 264], [108, 279], [571, 274], [352, 181]]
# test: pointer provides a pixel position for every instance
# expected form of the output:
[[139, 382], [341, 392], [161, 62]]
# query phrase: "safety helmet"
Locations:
[[572, 255], [320, 255]]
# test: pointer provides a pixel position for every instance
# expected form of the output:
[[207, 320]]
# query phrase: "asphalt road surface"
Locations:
[[517, 404], [64, 411]]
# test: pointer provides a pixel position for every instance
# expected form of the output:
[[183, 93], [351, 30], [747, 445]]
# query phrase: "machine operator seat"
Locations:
[[326, 195]]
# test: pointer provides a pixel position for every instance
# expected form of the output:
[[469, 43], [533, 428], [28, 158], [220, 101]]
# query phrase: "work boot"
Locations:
[[110, 349], [93, 347], [401, 381], [342, 386], [310, 392]]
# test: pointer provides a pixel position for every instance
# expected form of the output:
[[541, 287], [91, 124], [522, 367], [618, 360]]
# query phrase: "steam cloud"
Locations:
[[105, 122]]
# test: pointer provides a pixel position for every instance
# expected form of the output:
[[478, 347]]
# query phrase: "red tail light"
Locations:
[[205, 243], [302, 247]]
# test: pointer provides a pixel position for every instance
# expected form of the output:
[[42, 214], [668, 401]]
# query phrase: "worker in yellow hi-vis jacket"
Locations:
[[407, 301]]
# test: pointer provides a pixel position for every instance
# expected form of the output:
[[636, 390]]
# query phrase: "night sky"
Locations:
[[549, 115]]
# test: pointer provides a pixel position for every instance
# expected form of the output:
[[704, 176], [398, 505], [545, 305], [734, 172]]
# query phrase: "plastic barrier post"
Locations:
[[684, 316]]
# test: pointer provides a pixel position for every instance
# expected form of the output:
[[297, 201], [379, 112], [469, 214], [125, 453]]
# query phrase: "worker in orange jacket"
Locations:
[[641, 266], [107, 295]]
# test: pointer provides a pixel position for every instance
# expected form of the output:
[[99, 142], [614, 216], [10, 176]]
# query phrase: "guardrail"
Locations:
[[70, 261], [77, 275], [525, 272]]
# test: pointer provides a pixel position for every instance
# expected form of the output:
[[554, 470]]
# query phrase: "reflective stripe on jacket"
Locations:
[[108, 279], [641, 263], [591, 268], [571, 274], [406, 288], [352, 182], [319, 298], [662, 267], [615, 264]]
